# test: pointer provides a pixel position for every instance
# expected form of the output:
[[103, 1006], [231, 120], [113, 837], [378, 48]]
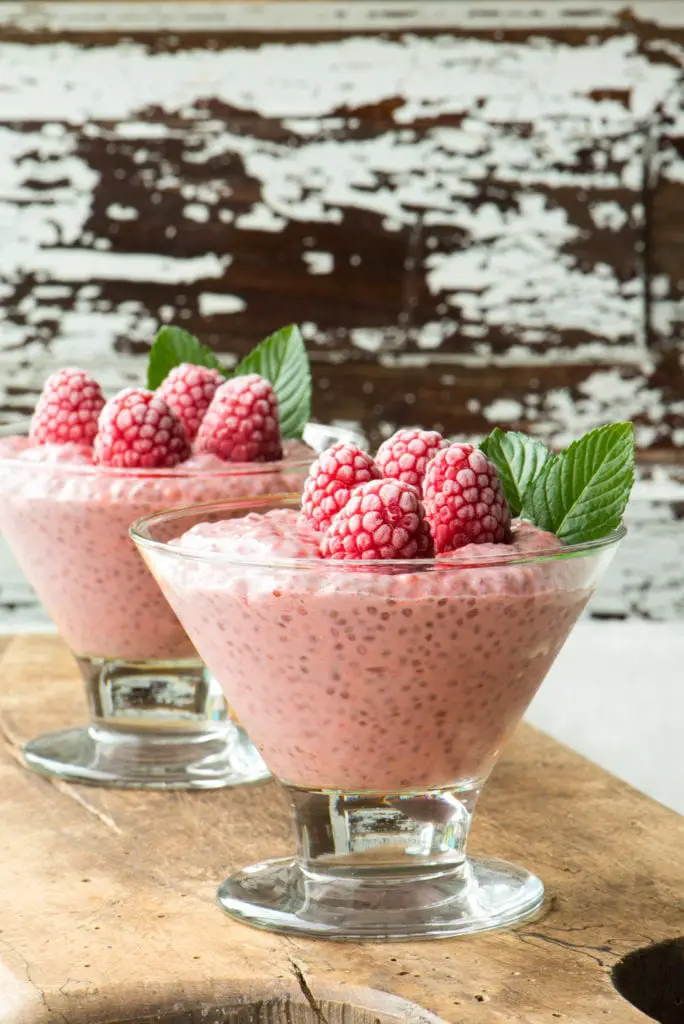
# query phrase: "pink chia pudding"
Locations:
[[410, 675], [67, 523]]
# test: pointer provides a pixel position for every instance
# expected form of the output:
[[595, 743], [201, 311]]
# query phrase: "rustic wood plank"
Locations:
[[128, 889], [665, 246], [461, 213], [474, 15]]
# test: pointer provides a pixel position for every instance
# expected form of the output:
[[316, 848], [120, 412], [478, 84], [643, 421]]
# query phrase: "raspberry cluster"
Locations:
[[236, 420], [419, 497]]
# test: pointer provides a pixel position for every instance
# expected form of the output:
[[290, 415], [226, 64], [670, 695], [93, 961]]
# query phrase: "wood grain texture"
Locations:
[[107, 898]]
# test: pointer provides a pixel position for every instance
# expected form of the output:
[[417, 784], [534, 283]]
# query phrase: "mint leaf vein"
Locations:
[[581, 494]]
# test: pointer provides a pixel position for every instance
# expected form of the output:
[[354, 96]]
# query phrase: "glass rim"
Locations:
[[139, 533], [140, 473]]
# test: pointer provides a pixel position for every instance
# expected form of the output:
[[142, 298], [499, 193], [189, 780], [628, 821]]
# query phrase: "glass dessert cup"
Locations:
[[380, 694], [157, 717]]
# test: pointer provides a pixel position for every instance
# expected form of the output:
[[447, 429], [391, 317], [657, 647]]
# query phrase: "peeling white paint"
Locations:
[[117, 211], [211, 304], [434, 75], [630, 356], [668, 318], [86, 265], [504, 410], [512, 273], [197, 212], [431, 335], [293, 16], [49, 291], [603, 396], [319, 262], [368, 339], [261, 218], [609, 215]]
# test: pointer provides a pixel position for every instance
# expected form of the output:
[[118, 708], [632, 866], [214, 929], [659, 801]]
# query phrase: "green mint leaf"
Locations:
[[282, 359], [173, 346], [581, 494], [519, 460]]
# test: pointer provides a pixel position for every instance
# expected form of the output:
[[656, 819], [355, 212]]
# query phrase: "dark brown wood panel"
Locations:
[[560, 401], [666, 243]]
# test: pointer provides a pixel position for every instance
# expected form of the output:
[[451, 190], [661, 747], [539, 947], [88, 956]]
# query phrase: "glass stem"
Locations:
[[350, 833], [174, 697]]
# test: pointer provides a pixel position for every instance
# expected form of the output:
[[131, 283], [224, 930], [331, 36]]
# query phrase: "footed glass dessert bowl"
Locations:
[[69, 491], [157, 718], [380, 692]]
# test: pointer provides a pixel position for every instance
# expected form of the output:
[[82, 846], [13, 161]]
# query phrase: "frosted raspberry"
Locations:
[[67, 409], [464, 499], [138, 429], [242, 422], [332, 478], [405, 455], [382, 519], [189, 389]]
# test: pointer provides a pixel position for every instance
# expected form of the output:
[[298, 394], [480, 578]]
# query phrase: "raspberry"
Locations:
[[332, 478], [189, 389], [464, 499], [138, 430], [241, 424], [382, 519], [67, 409], [405, 455]]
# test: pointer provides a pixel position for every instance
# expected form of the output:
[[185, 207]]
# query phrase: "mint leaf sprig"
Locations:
[[281, 358], [580, 494], [519, 460], [174, 346]]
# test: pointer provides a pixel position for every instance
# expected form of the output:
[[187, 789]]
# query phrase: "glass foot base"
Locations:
[[136, 760], [282, 896]]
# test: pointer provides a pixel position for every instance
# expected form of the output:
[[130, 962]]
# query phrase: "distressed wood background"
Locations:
[[475, 209]]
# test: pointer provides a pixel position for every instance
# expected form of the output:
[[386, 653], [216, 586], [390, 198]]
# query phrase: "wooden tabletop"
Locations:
[[107, 907]]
